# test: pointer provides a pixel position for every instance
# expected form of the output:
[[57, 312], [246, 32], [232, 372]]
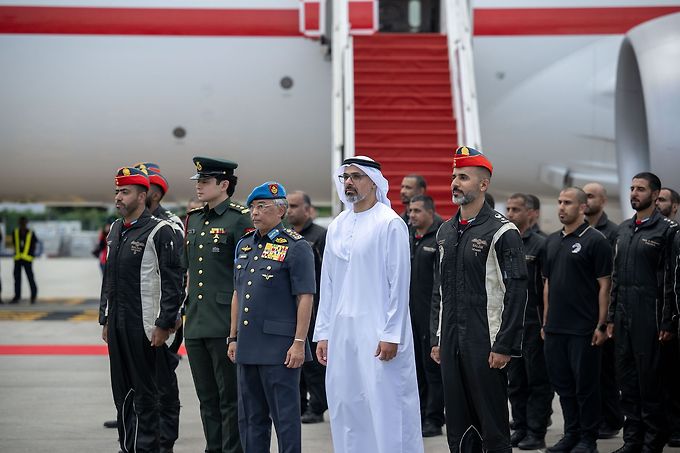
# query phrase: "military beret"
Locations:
[[270, 190], [207, 167], [155, 176], [131, 175], [470, 157]]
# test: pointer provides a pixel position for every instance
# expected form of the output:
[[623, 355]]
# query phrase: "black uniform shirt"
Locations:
[[534, 251], [608, 228], [572, 266]]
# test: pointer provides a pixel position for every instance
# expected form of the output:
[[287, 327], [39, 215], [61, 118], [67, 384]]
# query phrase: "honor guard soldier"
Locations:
[[212, 234], [166, 363], [274, 286]]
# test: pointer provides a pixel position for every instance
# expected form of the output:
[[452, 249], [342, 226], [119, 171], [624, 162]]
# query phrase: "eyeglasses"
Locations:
[[260, 206], [355, 177]]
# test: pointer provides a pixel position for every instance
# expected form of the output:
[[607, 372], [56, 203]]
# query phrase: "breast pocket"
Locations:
[[270, 273]]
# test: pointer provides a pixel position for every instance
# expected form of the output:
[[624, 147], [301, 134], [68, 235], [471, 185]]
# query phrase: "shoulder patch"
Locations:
[[240, 208], [293, 234]]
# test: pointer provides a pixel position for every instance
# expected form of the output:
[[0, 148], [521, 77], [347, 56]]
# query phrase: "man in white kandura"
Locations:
[[363, 327]]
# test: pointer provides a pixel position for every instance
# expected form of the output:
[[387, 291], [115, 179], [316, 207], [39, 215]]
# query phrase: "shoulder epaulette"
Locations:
[[194, 211], [249, 233], [240, 208], [293, 234]]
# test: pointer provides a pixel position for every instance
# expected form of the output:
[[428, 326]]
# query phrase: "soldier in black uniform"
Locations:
[[424, 257], [612, 416], [529, 388], [274, 285], [167, 362], [640, 315], [313, 373], [212, 234], [141, 294]]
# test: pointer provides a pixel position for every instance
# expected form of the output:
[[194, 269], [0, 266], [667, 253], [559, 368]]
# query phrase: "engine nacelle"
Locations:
[[647, 105]]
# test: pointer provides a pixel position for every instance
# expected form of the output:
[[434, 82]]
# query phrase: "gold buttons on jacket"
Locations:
[[203, 233], [252, 270], [245, 323], [200, 246], [200, 258], [200, 271], [200, 296], [206, 222], [259, 246], [200, 284]]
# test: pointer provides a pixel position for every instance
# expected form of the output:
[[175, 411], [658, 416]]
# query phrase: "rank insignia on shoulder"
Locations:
[[280, 240], [275, 252], [246, 248], [237, 207], [194, 211], [293, 234]]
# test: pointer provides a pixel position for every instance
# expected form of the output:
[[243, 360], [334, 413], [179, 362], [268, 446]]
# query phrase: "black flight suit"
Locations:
[[486, 254], [612, 417], [641, 307], [424, 258], [313, 373], [141, 289], [529, 388]]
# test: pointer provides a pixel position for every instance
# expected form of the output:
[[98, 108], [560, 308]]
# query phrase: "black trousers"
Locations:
[[574, 371], [266, 394], [133, 370], [638, 365], [313, 381], [612, 416], [476, 402], [429, 374], [167, 361], [215, 381], [28, 268], [670, 374], [529, 388]]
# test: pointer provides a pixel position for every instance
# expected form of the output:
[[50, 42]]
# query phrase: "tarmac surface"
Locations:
[[54, 375]]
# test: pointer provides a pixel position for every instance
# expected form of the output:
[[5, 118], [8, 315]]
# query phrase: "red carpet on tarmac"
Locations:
[[59, 349]]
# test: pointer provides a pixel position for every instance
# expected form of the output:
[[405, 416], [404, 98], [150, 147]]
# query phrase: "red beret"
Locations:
[[131, 175], [470, 157]]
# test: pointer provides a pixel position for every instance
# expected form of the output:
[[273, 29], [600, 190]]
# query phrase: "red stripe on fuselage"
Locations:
[[148, 21], [285, 22], [59, 349], [564, 21]]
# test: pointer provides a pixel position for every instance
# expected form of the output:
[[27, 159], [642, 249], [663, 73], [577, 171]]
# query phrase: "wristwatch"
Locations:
[[231, 340], [602, 327]]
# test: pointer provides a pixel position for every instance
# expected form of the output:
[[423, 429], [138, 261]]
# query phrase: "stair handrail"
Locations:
[[458, 23], [343, 91]]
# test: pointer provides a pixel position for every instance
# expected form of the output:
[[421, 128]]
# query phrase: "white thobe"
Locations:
[[374, 405]]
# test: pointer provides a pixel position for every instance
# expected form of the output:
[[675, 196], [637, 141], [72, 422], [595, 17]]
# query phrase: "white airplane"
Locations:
[[88, 86]]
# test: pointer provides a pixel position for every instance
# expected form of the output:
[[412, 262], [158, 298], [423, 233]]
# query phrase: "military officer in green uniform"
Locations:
[[211, 236]]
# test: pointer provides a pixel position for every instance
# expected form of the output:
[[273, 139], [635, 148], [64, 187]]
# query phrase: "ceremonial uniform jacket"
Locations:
[[211, 237], [270, 272]]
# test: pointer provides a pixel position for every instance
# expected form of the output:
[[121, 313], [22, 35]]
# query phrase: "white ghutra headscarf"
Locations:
[[372, 170]]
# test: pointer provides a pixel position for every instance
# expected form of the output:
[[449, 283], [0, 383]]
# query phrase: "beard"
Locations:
[[641, 205], [465, 198], [353, 196]]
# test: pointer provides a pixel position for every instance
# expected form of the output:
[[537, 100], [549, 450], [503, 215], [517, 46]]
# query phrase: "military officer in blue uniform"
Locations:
[[274, 286], [212, 233]]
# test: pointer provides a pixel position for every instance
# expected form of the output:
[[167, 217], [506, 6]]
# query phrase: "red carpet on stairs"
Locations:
[[403, 110]]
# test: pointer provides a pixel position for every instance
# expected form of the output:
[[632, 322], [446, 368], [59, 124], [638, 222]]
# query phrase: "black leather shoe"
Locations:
[[14, 301], [674, 441], [531, 442], [565, 444], [431, 430], [585, 447], [607, 432], [311, 417], [629, 448], [517, 436], [110, 424]]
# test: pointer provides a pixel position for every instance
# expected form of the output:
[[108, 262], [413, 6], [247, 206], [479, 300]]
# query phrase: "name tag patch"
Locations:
[[275, 252]]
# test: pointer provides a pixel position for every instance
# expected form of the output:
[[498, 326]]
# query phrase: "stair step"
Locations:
[[403, 76], [371, 88], [394, 38], [412, 111], [400, 51], [399, 63], [404, 99], [363, 122], [445, 137]]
